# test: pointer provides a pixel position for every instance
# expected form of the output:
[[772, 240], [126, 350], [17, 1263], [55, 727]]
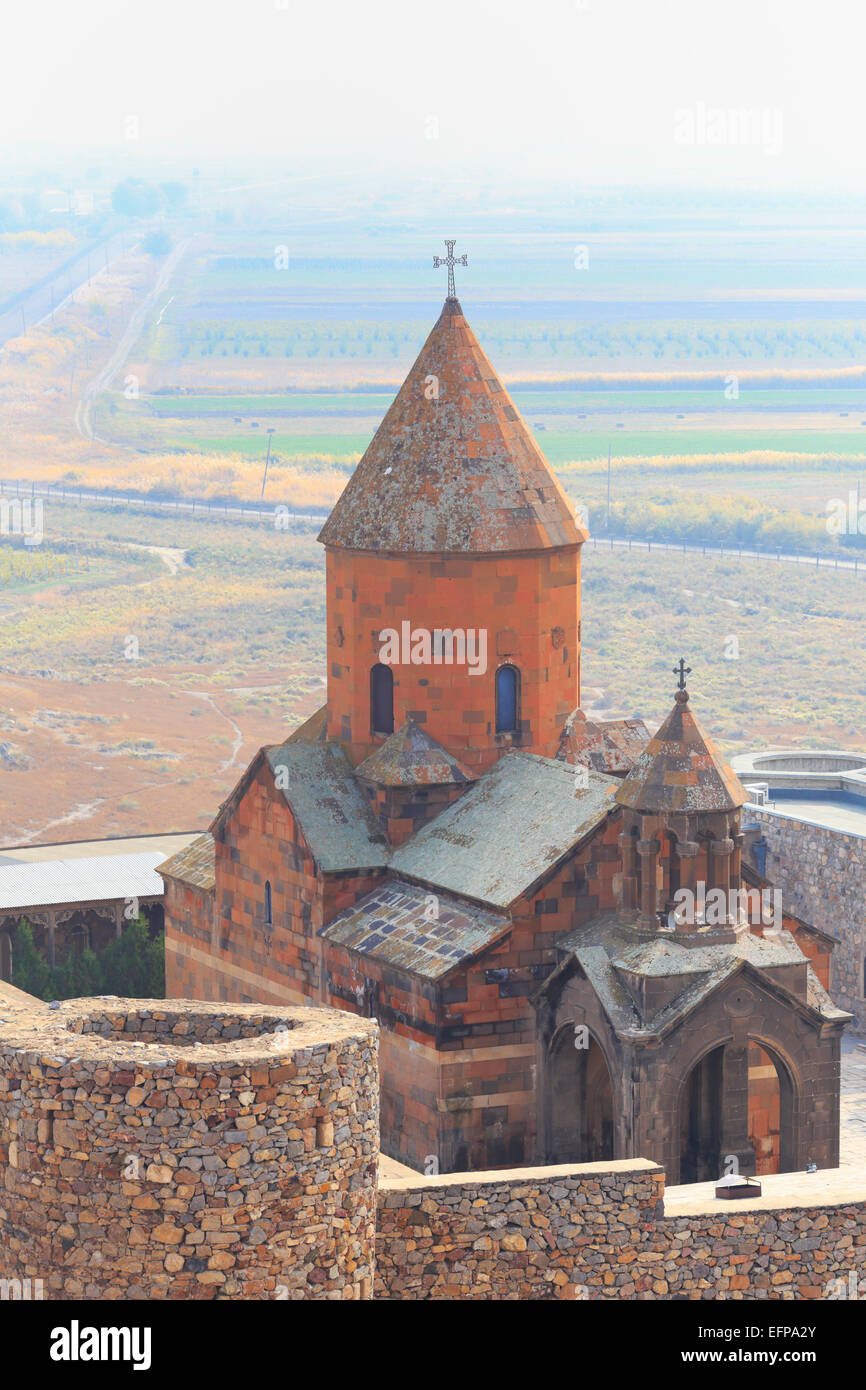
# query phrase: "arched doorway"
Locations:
[[701, 1119], [771, 1110], [579, 1099]]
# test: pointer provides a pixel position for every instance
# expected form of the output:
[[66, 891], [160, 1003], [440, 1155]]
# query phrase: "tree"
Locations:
[[30, 971], [157, 242], [136, 198]]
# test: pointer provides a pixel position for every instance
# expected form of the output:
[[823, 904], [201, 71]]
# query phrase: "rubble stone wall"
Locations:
[[601, 1231], [172, 1149], [821, 874]]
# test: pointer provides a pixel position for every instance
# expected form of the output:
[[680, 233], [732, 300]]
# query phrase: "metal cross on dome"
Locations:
[[450, 260], [682, 671]]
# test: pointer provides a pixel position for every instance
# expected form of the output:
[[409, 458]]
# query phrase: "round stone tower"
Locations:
[[453, 524], [171, 1149]]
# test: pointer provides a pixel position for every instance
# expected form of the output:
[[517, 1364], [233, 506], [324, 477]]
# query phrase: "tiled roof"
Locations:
[[338, 825], [609, 951], [313, 730], [395, 923], [452, 467], [609, 745], [195, 864], [681, 770], [410, 758], [507, 830]]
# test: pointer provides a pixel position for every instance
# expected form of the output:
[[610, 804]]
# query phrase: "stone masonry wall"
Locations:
[[822, 875], [169, 1149], [599, 1231]]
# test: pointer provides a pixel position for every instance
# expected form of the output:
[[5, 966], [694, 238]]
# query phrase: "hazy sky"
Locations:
[[766, 93]]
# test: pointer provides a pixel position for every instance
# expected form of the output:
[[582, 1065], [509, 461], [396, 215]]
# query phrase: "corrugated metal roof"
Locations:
[[336, 819], [507, 830], [49, 882], [408, 927], [195, 864]]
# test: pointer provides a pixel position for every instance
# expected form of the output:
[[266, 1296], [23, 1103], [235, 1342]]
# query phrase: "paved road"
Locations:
[[198, 506], [131, 333]]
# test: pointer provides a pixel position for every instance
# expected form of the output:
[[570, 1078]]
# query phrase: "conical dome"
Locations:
[[681, 770], [453, 467]]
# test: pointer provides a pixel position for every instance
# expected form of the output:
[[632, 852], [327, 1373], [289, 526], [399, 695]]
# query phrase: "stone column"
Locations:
[[687, 852], [629, 866], [735, 1107], [721, 852], [649, 858]]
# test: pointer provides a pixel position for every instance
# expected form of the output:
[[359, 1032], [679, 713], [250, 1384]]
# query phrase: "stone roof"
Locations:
[[610, 745], [333, 812], [611, 953], [508, 830], [410, 758], [194, 864], [453, 467], [393, 924], [681, 770], [313, 730]]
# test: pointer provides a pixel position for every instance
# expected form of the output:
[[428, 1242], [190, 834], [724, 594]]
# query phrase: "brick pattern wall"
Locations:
[[598, 1231], [185, 1151], [821, 874], [529, 606]]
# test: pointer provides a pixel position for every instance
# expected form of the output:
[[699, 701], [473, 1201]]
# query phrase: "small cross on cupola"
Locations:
[[450, 261], [682, 670]]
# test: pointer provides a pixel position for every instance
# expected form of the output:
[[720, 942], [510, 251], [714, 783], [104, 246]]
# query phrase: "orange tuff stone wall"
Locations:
[[764, 1110], [529, 606], [241, 957]]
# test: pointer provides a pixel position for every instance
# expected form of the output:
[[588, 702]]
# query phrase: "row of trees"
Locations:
[[132, 967]]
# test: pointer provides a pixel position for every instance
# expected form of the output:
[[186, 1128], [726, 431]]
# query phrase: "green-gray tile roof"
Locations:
[[334, 814], [508, 830]]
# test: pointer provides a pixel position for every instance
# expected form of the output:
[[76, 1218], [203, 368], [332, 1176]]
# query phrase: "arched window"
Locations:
[[382, 699], [268, 916], [507, 691]]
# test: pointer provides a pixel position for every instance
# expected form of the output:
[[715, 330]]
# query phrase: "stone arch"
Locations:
[[777, 1102], [579, 1099]]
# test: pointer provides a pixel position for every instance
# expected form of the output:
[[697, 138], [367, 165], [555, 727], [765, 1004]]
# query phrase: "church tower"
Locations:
[[453, 570]]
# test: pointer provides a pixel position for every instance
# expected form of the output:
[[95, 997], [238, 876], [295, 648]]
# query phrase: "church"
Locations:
[[519, 895]]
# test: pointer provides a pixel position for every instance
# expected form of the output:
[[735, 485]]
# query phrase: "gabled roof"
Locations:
[[508, 830], [410, 758], [393, 923], [313, 730], [453, 467], [681, 770], [194, 864], [609, 745], [608, 950], [333, 812]]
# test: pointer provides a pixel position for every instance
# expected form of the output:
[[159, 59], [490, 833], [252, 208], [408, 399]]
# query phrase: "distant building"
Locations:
[[449, 846], [80, 895]]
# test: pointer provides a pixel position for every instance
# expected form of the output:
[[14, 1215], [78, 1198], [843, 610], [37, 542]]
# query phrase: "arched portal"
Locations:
[[701, 1119], [579, 1099], [771, 1110]]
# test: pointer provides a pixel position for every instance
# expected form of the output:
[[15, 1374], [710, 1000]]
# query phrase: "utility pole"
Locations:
[[267, 461], [607, 524]]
